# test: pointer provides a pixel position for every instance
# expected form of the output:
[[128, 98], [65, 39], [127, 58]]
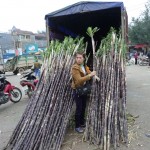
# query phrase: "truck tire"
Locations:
[[21, 70]]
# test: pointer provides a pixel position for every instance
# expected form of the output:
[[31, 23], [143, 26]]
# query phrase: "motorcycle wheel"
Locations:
[[16, 95], [29, 92], [141, 63]]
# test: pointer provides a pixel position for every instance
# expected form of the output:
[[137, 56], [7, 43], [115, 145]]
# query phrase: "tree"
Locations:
[[140, 27], [41, 32]]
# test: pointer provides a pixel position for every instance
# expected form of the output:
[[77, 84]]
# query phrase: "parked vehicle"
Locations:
[[29, 84], [130, 61], [8, 91], [19, 64], [143, 61], [73, 20]]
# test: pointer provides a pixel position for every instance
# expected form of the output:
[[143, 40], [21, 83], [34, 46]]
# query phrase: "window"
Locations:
[[28, 37], [21, 37]]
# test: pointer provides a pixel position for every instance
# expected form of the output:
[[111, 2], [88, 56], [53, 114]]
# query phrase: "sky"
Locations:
[[29, 14]]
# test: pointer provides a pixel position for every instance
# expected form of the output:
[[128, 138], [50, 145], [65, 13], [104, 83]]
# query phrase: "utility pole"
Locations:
[[1, 56]]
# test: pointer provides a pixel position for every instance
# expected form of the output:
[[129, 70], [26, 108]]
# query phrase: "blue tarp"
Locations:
[[86, 6], [74, 20], [8, 55]]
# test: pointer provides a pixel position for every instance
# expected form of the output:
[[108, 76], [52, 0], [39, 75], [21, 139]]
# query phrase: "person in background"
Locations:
[[80, 74], [36, 68], [148, 55], [136, 57]]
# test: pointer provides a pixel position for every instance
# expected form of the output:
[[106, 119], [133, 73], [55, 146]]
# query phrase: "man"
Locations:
[[136, 57], [148, 55], [37, 67]]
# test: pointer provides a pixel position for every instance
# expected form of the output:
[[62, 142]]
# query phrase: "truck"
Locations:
[[74, 20], [18, 64]]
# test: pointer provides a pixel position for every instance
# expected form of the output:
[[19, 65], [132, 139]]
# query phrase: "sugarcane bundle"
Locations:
[[106, 120], [44, 122]]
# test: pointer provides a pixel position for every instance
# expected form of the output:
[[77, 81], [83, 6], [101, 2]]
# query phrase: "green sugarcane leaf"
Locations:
[[95, 30], [89, 31]]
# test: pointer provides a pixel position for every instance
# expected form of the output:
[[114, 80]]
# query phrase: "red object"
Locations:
[[17, 52], [136, 55], [139, 46], [35, 81], [30, 82], [9, 92], [8, 88], [27, 83]]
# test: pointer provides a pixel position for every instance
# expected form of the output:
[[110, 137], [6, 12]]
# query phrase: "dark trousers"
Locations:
[[80, 109], [135, 61]]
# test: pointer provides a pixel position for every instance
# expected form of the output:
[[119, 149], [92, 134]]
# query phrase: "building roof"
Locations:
[[18, 31]]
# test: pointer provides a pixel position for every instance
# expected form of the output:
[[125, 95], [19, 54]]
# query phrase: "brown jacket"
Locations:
[[37, 65], [78, 76]]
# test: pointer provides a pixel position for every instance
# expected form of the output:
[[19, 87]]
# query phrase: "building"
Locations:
[[19, 41], [40, 40], [6, 43], [23, 38]]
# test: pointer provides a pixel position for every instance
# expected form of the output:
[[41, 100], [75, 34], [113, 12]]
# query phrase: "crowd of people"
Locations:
[[139, 58]]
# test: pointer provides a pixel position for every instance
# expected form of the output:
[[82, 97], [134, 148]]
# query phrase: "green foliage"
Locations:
[[91, 31], [68, 45], [140, 27], [112, 42]]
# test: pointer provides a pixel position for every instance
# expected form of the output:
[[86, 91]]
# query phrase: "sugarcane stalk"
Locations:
[[44, 122], [104, 125]]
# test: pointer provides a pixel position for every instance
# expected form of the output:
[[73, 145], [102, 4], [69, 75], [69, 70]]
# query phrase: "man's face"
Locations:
[[79, 59]]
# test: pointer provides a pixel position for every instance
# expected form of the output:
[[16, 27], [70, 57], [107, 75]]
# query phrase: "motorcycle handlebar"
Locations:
[[26, 75], [2, 72], [2, 76]]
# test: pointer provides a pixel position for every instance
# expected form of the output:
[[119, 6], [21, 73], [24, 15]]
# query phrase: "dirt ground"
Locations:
[[138, 104]]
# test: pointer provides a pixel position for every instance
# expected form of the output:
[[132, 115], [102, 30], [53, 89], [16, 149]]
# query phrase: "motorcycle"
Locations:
[[8, 91], [143, 61], [29, 84]]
